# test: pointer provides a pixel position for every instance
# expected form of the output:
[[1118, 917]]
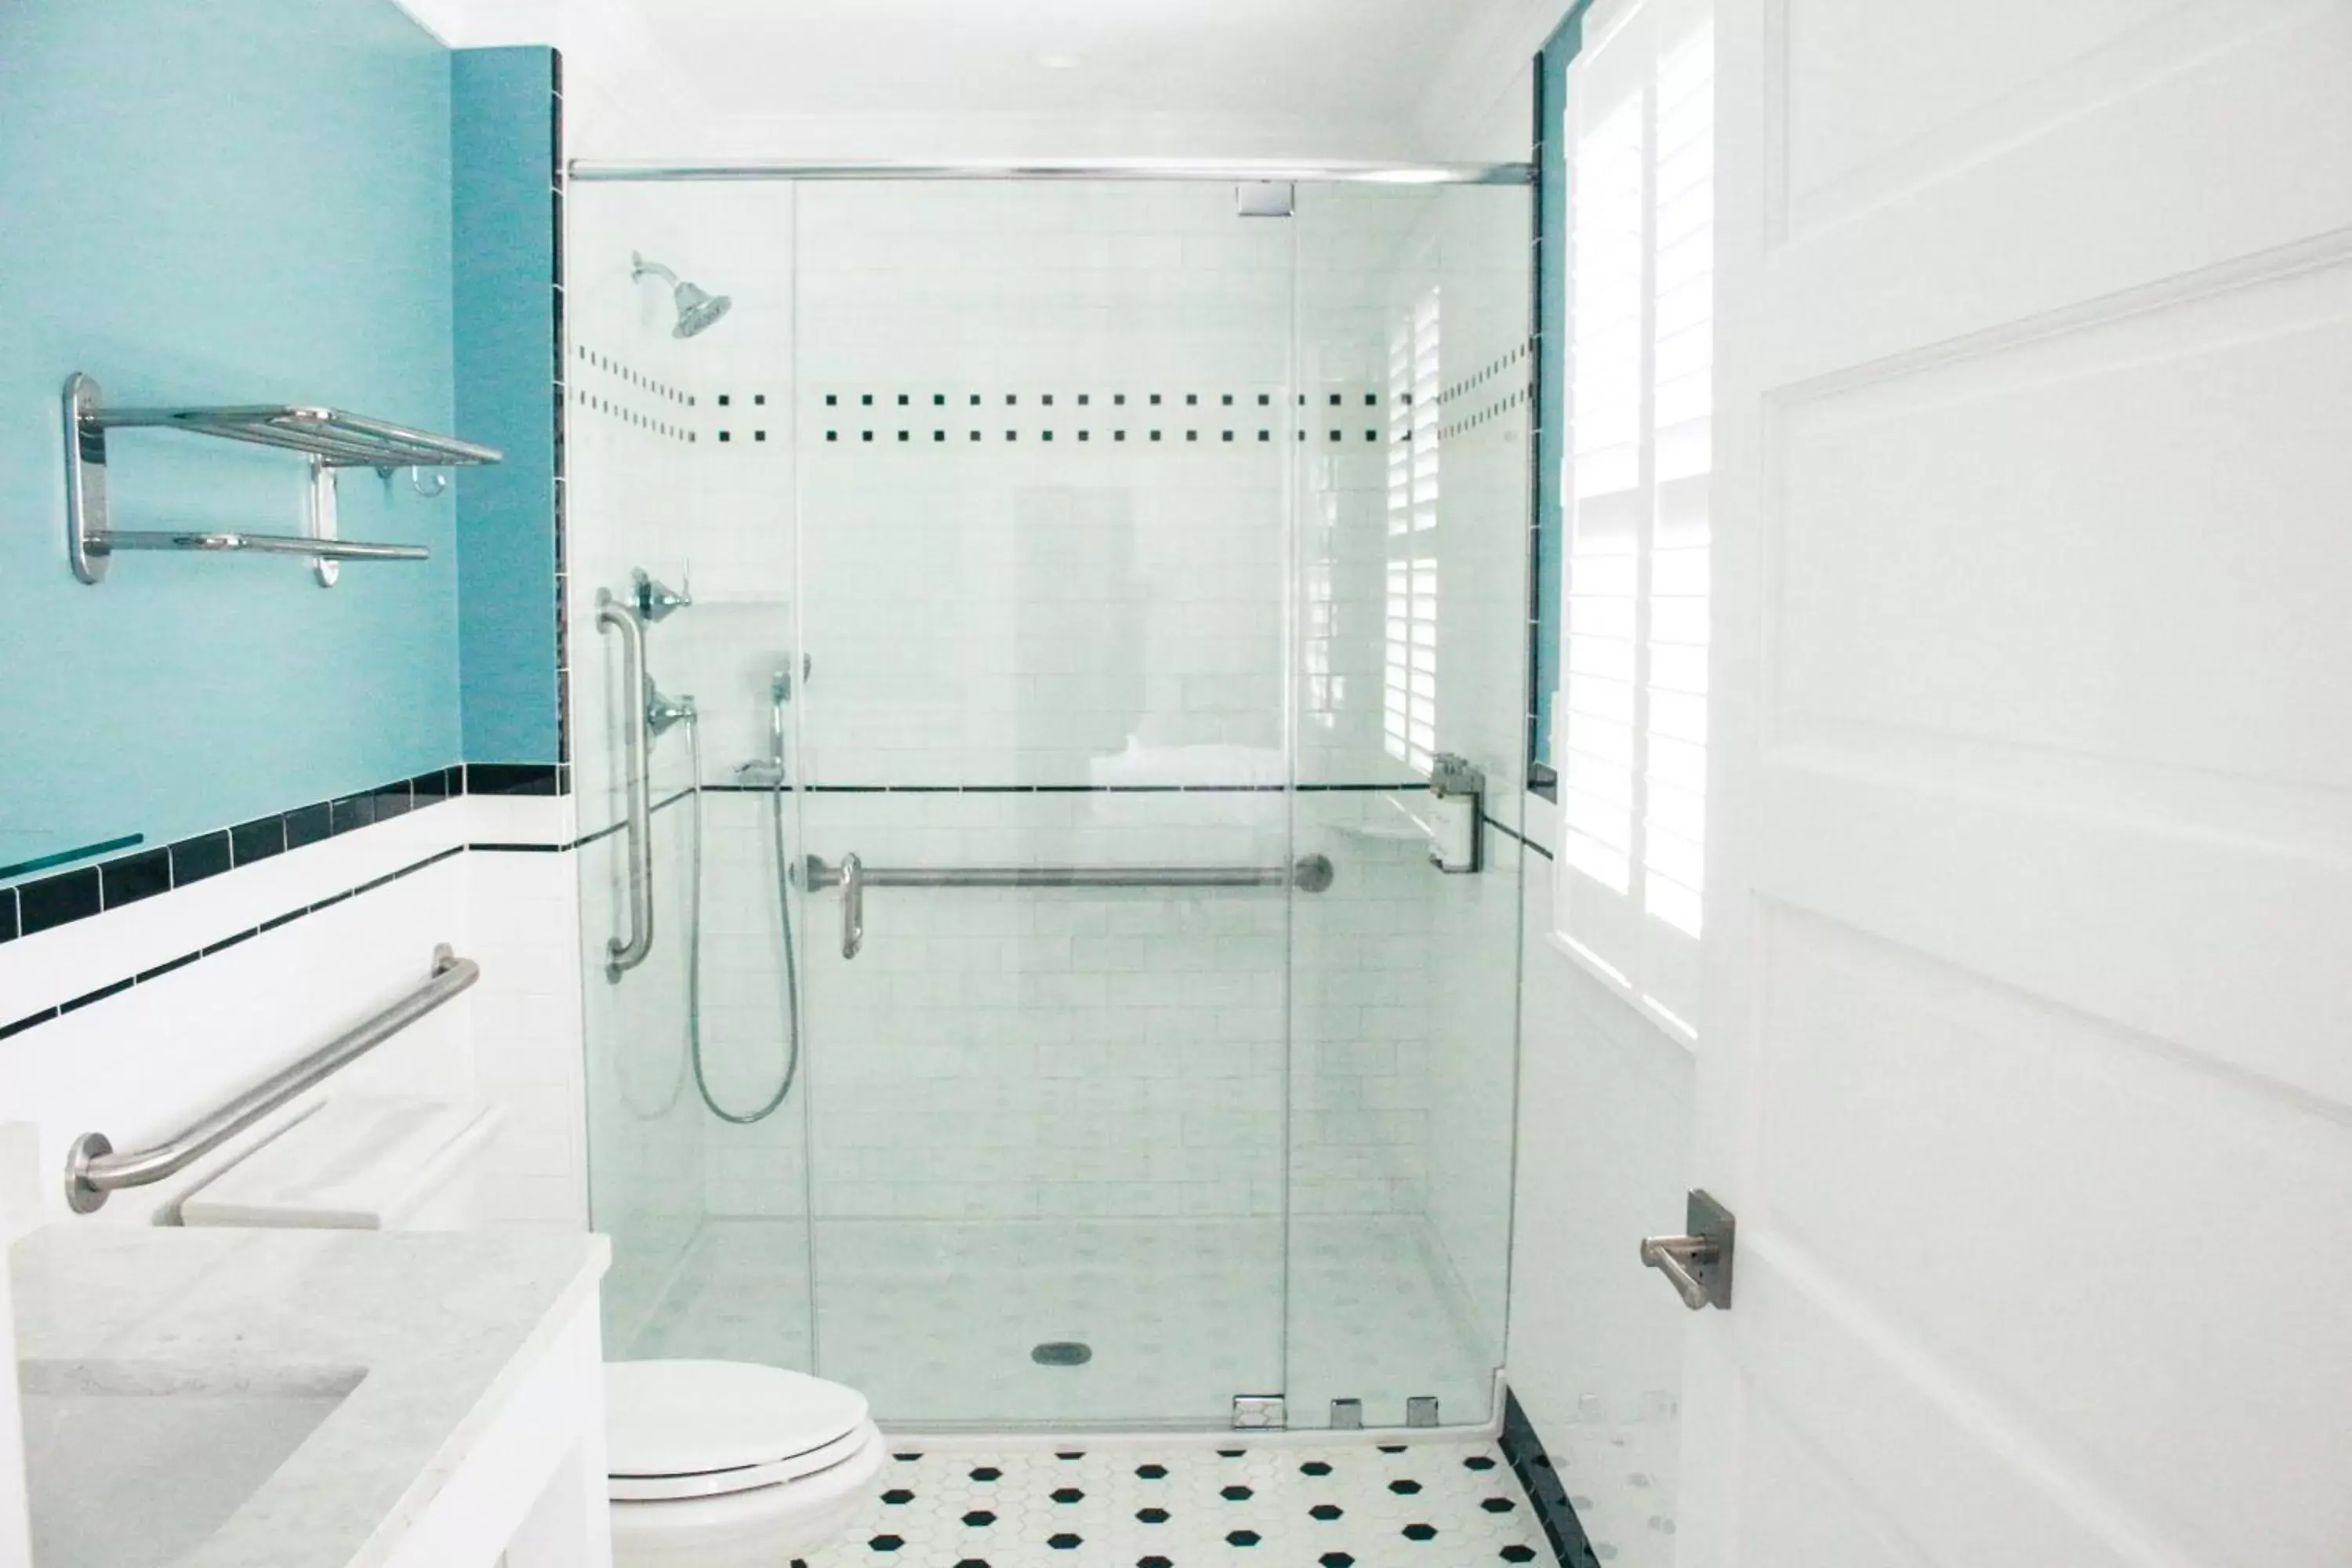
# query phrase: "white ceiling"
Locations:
[[1344, 60], [946, 78]]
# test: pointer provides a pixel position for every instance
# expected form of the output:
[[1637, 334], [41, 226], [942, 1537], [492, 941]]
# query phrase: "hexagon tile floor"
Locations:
[[1132, 1504]]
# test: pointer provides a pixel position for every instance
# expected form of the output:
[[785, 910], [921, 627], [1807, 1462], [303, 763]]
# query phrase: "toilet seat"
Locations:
[[680, 1429]]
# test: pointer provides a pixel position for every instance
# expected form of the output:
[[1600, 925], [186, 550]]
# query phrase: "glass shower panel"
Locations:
[[1412, 505], [1043, 437], [678, 469]]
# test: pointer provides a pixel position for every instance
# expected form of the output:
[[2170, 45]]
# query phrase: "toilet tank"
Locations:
[[357, 1162]]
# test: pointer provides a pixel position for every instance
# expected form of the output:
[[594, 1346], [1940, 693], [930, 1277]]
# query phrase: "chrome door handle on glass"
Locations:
[[1698, 1264], [853, 905], [622, 955]]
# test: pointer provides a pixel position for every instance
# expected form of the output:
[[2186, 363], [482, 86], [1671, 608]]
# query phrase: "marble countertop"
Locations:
[[441, 1324]]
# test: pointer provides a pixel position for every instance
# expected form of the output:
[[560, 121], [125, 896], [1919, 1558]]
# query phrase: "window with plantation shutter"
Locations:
[[1638, 126]]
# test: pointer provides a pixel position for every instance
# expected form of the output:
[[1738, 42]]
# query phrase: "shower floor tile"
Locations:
[[936, 1321], [1450, 1504]]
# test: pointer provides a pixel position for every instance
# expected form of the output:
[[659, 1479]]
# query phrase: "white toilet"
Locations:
[[727, 1465], [713, 1464]]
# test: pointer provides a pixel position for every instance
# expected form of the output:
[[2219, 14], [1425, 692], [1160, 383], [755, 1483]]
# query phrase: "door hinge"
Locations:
[[1259, 1413]]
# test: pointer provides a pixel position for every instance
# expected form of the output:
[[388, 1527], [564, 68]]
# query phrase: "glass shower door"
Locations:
[[1043, 436]]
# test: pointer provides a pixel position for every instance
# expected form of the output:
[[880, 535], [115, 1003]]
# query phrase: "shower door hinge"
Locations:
[[1259, 1413]]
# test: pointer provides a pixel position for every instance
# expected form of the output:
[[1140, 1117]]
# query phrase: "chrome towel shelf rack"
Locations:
[[1308, 873], [94, 1169], [330, 438]]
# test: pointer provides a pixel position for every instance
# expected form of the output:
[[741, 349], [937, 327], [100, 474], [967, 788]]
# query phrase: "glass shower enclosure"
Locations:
[[1056, 597]]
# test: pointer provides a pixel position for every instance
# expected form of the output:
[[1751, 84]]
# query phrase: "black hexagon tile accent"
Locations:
[[885, 1543], [1404, 1488], [1068, 1494], [1153, 1472], [1478, 1462], [1336, 1559], [1151, 1515], [1243, 1538], [1498, 1505], [1326, 1511], [1315, 1468], [898, 1497], [1418, 1532], [987, 1473], [979, 1519], [1235, 1494], [1516, 1553], [1066, 1542], [1153, 1562]]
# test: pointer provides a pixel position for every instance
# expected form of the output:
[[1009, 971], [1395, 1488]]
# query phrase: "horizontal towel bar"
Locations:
[[108, 542], [93, 1169]]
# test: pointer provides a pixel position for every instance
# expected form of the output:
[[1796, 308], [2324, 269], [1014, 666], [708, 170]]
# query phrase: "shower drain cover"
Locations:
[[1063, 1353]]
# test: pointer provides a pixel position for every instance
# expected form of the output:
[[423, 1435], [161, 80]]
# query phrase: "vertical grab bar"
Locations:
[[853, 905], [621, 956]]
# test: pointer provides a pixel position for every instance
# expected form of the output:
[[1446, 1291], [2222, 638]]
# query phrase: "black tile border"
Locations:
[[1522, 839], [155, 972], [50, 901], [44, 903], [1523, 1449]]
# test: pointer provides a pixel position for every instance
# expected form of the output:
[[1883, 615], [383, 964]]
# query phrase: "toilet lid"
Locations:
[[684, 1417]]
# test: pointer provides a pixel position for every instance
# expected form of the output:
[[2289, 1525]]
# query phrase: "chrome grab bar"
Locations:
[[93, 1169], [625, 954], [853, 905], [1308, 873]]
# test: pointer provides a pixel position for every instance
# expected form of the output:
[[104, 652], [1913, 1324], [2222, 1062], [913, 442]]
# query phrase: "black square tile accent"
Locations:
[[194, 859], [54, 901], [393, 800], [7, 914], [352, 813], [256, 840], [1049, 400], [511, 778], [1192, 400], [727, 399], [1264, 398], [1229, 400], [308, 825], [730, 436], [902, 400], [832, 400], [1119, 399], [131, 877]]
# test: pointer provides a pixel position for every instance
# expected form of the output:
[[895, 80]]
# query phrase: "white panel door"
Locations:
[[2027, 1057]]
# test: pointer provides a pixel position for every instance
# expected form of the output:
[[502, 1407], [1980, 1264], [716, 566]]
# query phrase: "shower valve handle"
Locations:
[[853, 905]]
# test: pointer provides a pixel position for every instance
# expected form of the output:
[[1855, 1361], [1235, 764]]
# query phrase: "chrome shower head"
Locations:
[[697, 310], [697, 307]]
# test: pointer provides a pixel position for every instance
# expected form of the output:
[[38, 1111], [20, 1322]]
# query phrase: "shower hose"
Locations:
[[694, 944]]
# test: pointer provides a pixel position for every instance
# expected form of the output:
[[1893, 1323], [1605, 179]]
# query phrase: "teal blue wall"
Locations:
[[503, 137], [237, 201], [1551, 367]]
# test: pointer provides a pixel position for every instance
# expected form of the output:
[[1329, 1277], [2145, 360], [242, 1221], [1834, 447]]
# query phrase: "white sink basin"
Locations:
[[131, 1465]]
